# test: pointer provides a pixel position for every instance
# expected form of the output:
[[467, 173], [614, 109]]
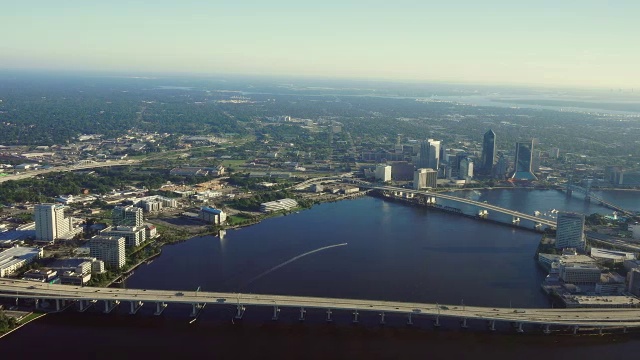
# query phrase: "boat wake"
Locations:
[[256, 278]]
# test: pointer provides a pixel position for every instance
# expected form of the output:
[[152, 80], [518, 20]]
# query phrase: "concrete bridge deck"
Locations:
[[592, 317], [482, 205]]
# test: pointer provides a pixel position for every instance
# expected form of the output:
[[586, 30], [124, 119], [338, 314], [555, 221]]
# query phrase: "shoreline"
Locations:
[[22, 324]]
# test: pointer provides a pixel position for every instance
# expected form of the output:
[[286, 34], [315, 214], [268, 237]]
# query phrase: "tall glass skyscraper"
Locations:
[[488, 151], [523, 162]]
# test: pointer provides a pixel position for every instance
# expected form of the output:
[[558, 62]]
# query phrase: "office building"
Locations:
[[133, 235], [429, 156], [569, 231], [501, 168], [488, 152], [466, 169], [425, 178], [634, 281], [573, 273], [402, 171], [109, 249], [383, 172], [127, 216], [278, 205], [523, 162], [16, 257], [51, 224], [212, 215]]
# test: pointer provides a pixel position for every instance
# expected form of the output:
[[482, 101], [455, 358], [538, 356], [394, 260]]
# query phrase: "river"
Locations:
[[392, 252]]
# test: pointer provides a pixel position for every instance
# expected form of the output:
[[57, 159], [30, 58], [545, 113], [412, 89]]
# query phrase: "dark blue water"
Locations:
[[394, 252]]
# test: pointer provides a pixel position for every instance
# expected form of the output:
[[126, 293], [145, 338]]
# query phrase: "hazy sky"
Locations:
[[553, 42]]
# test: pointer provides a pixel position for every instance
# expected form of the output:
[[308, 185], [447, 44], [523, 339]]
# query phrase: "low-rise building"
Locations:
[[611, 284], [278, 205], [575, 273], [16, 257], [73, 278], [42, 275]]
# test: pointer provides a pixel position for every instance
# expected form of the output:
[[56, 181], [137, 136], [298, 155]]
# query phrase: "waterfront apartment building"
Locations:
[[127, 216], [278, 205], [212, 215], [51, 224], [570, 231], [383, 172], [110, 249], [133, 235]]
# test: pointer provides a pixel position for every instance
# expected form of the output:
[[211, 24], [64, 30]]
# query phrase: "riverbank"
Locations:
[[29, 318]]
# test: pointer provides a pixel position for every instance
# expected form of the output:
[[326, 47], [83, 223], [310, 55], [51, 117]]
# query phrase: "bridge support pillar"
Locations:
[[109, 305], [37, 303], [436, 323], [409, 321], [135, 306], [463, 323], [520, 328], [546, 329], [57, 305], [382, 318], [302, 312], [240, 312], [276, 312], [355, 317], [329, 315], [195, 308], [575, 329], [624, 329], [600, 330], [160, 306], [492, 325]]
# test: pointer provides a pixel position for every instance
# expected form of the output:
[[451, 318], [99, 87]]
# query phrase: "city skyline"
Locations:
[[494, 42]]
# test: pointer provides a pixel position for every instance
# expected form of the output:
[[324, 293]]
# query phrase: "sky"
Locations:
[[589, 43]]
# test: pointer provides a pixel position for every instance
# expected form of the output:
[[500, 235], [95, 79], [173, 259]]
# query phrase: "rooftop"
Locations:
[[17, 254]]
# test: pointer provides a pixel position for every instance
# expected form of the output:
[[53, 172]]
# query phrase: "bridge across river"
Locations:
[[595, 318], [480, 205]]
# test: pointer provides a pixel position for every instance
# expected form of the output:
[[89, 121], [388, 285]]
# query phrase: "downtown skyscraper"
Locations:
[[523, 162], [488, 152]]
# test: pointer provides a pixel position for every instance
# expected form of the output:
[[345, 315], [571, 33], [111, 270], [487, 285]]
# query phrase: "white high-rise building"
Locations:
[[109, 249], [383, 172], [51, 223], [570, 231], [420, 179], [425, 178]]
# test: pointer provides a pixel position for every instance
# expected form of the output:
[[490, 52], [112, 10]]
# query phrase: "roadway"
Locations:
[[591, 317], [33, 173]]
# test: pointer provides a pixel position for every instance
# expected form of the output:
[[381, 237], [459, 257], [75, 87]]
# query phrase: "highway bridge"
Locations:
[[481, 205], [593, 318], [570, 188]]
